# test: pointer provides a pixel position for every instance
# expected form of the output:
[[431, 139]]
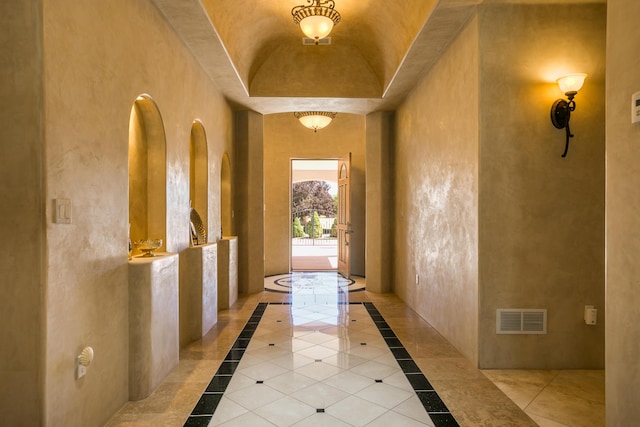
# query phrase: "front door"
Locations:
[[344, 215]]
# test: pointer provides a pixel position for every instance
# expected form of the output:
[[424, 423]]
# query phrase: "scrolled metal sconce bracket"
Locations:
[[561, 109], [560, 116]]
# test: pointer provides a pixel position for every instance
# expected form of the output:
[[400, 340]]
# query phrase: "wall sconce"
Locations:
[[561, 109]]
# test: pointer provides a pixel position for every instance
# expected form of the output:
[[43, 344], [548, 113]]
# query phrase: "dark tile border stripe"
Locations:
[[208, 403], [435, 407]]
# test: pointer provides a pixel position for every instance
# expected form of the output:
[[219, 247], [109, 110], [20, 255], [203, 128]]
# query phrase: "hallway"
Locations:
[[321, 356]]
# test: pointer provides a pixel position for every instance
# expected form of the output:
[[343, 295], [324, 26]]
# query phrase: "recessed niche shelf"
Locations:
[[147, 173], [199, 174]]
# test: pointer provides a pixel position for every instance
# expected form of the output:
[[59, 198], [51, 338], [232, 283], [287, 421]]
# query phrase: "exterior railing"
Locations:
[[320, 241]]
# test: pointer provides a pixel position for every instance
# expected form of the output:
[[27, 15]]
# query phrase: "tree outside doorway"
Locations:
[[314, 190], [311, 201]]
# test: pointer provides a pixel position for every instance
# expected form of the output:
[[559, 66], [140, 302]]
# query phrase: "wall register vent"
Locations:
[[521, 321]]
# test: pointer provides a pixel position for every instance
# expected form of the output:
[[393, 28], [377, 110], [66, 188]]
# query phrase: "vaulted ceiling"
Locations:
[[254, 53]]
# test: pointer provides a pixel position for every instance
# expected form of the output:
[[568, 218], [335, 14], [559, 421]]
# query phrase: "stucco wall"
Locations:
[[541, 215], [285, 138], [623, 211], [249, 200], [436, 195], [487, 212], [380, 201], [99, 56], [21, 212]]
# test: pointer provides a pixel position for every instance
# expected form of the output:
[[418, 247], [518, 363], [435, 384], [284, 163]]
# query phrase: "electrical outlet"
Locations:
[[81, 371], [417, 279], [590, 315]]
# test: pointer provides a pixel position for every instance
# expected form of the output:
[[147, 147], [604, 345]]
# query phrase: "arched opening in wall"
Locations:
[[226, 207], [199, 183], [314, 204], [147, 173]]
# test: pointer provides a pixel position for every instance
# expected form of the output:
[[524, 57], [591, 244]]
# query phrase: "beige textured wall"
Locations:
[[154, 335], [541, 215], [379, 204], [623, 211], [227, 272], [436, 187], [249, 200], [226, 197], [198, 297], [99, 56], [21, 212], [285, 138]]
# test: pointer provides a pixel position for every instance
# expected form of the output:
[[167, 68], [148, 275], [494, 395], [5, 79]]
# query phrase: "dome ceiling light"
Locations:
[[315, 119], [317, 19]]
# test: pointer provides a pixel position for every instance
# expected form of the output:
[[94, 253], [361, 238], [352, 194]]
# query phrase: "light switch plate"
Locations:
[[635, 108], [62, 214]]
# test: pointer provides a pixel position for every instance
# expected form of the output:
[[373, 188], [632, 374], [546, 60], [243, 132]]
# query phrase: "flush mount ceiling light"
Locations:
[[561, 109], [315, 119], [317, 19]]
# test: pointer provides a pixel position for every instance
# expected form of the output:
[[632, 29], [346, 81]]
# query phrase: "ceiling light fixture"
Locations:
[[561, 109], [315, 119], [317, 19]]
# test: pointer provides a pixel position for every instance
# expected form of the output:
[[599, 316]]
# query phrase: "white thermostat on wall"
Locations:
[[635, 108]]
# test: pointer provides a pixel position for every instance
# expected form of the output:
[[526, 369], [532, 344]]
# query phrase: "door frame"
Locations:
[[291, 160]]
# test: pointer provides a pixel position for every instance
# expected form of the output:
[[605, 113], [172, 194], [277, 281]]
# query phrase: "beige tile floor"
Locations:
[[555, 398], [301, 359], [469, 394]]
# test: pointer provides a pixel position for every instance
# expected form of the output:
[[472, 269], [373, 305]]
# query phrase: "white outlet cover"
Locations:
[[81, 372]]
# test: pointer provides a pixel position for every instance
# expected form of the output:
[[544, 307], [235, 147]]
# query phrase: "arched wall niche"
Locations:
[[226, 207], [147, 173], [199, 173]]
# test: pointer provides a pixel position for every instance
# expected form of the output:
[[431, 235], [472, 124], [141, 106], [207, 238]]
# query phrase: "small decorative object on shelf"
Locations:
[[198, 230], [130, 245], [194, 235], [148, 246]]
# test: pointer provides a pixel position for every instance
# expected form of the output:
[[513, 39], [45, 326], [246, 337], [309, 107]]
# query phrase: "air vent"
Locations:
[[306, 41], [521, 321]]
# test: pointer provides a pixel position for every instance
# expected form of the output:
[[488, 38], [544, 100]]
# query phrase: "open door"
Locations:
[[344, 215]]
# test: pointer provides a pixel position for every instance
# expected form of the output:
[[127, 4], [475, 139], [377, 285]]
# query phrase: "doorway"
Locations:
[[314, 208]]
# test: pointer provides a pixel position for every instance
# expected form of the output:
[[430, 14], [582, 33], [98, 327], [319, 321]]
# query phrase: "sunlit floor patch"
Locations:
[[320, 281]]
